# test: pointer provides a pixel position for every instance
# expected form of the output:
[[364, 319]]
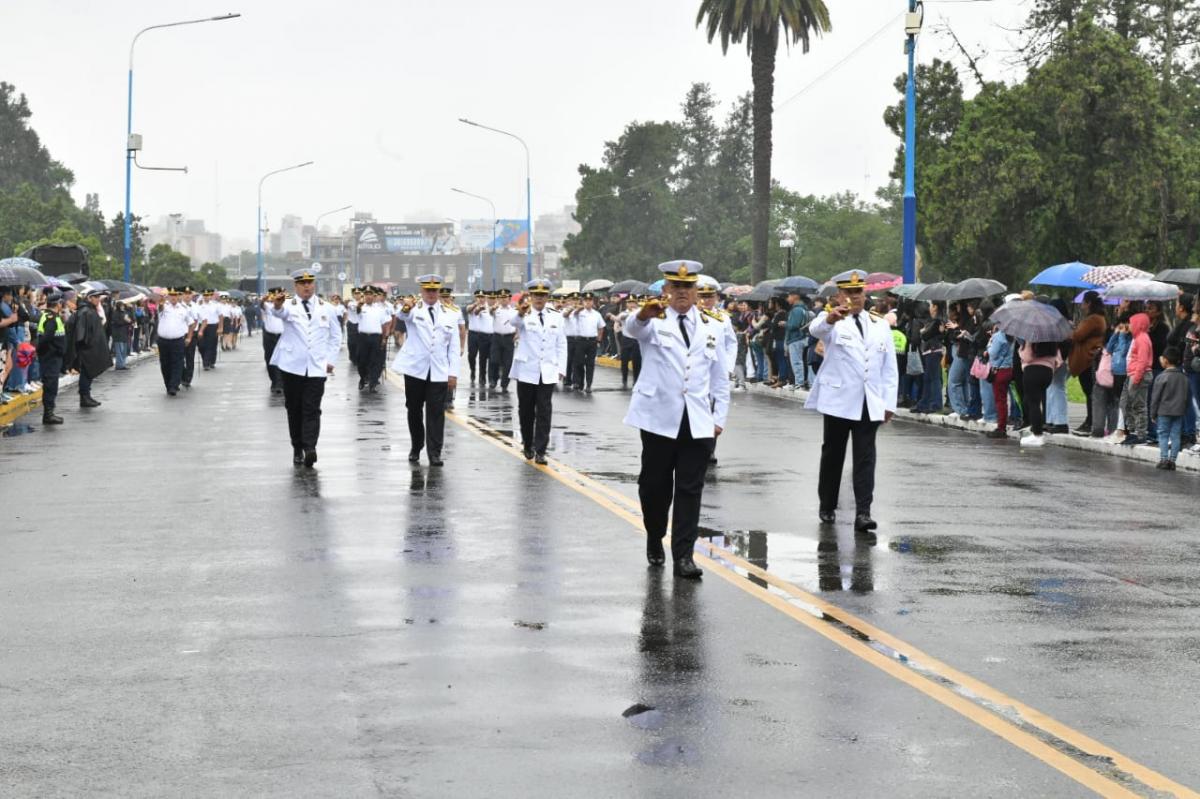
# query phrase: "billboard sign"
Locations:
[[511, 234], [422, 238]]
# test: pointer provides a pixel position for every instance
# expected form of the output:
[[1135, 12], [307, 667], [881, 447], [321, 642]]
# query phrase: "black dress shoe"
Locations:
[[362, 384], [528, 453], [414, 455], [88, 402], [435, 460], [172, 392], [827, 516], [655, 555], [51, 418], [687, 568], [540, 459], [864, 523], [297, 456], [310, 456]]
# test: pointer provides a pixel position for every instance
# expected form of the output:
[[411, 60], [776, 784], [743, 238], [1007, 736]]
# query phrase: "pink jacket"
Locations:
[[1141, 351]]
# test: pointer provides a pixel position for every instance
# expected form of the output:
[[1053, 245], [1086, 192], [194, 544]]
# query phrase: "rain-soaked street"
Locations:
[[186, 613]]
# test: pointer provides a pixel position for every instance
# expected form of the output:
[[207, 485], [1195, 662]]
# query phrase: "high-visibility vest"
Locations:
[[59, 329]]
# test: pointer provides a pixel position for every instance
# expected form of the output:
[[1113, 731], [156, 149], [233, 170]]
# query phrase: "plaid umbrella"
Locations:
[[882, 281], [1032, 321], [1107, 275]]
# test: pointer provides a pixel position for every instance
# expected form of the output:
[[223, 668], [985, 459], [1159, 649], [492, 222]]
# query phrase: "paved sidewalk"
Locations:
[[25, 403]]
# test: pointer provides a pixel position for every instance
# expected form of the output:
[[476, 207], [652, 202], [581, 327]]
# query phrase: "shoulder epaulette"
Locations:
[[713, 314], [450, 305]]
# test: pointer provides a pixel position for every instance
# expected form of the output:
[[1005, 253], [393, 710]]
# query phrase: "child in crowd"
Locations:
[[1168, 405]]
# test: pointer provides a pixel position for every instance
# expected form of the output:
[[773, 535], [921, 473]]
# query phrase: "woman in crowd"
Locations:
[[933, 347], [1057, 419], [1000, 363], [1086, 344], [1106, 400], [1039, 362], [758, 336], [1178, 337]]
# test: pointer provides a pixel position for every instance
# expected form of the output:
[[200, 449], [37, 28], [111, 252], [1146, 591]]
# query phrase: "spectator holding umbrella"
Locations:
[[1086, 343]]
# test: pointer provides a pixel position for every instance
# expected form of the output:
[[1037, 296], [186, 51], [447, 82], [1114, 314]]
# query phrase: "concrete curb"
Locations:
[[1185, 463], [26, 403]]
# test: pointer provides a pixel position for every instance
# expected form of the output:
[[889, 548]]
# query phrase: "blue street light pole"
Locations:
[[258, 221], [130, 147], [528, 195], [912, 26], [494, 220]]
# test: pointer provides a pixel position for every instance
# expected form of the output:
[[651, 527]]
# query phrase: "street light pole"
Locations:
[[788, 241], [528, 195], [912, 26], [130, 148], [258, 220], [494, 220], [317, 229]]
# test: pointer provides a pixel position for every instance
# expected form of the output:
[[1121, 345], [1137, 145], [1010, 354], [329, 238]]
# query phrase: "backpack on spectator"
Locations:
[[25, 354], [1104, 374]]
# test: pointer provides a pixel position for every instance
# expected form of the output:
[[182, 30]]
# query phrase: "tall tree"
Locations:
[[23, 158], [760, 23]]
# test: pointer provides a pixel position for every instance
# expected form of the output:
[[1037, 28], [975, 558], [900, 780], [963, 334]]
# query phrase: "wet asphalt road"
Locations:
[[193, 616]]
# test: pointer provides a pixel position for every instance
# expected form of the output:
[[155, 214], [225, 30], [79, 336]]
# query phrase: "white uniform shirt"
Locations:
[[485, 322], [270, 322], [307, 345], [678, 376], [858, 368], [352, 316], [209, 312], [173, 320], [571, 323], [431, 347], [339, 310], [505, 320], [728, 335], [588, 322], [541, 354], [372, 317]]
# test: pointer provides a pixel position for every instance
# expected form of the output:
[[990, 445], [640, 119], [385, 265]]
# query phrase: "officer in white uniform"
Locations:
[[272, 329], [429, 361], [589, 329], [539, 363], [305, 354], [175, 330], [680, 403], [446, 294], [706, 289], [188, 299], [570, 305], [479, 336], [374, 325], [352, 324], [210, 329], [504, 331], [856, 391]]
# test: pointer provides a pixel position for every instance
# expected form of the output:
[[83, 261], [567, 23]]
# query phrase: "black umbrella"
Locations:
[[1180, 277], [800, 283], [628, 287], [74, 277], [975, 288], [934, 292], [827, 290], [18, 274]]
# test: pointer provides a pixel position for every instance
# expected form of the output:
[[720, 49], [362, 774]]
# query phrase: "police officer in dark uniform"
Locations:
[[51, 350]]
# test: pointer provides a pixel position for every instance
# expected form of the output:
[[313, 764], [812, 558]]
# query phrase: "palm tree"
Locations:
[[760, 22]]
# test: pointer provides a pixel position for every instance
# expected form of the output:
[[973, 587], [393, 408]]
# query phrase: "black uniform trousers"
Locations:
[[572, 357], [352, 341], [269, 342], [208, 346], [479, 350], [370, 357], [534, 408], [170, 361], [631, 355], [673, 470], [426, 403], [189, 360], [833, 457], [503, 345], [585, 362], [51, 370], [302, 398]]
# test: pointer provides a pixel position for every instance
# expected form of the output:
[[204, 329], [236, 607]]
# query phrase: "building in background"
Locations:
[[187, 236], [552, 231]]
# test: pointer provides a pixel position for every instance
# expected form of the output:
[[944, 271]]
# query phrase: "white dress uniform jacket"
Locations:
[[676, 376], [270, 322], [728, 336], [541, 354], [857, 366], [431, 347], [306, 346]]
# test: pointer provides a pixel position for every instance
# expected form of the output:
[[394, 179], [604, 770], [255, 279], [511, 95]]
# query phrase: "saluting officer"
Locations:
[[305, 354], [679, 402], [429, 361], [504, 330], [479, 335], [446, 294], [272, 329], [589, 327], [374, 325], [539, 363], [856, 392]]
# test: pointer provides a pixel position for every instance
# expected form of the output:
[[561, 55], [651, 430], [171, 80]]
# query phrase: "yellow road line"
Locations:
[[624, 507]]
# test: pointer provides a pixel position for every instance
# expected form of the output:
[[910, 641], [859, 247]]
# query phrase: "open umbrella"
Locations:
[[768, 285], [1180, 277], [628, 287], [1068, 276], [738, 291], [238, 294], [20, 274], [1136, 289], [757, 295], [1079, 298], [1107, 275], [656, 287], [599, 284], [827, 290], [976, 288], [908, 290], [800, 283], [882, 281], [1032, 321], [74, 278], [934, 292]]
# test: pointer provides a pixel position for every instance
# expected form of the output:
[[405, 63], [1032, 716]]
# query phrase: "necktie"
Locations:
[[858, 323], [683, 330], [541, 319], [431, 316], [306, 311]]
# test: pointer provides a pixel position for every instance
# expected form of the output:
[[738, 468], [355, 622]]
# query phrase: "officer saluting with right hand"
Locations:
[[679, 402]]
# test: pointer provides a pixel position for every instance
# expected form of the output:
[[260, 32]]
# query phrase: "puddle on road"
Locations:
[[18, 429]]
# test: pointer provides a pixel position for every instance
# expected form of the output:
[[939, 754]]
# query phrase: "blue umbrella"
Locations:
[[1068, 276], [656, 287], [19, 261]]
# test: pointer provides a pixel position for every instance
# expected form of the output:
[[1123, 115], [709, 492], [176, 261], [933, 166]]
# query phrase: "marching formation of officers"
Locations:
[[680, 399], [191, 321]]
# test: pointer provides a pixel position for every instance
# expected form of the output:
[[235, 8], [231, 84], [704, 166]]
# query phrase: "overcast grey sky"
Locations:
[[371, 90]]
